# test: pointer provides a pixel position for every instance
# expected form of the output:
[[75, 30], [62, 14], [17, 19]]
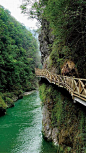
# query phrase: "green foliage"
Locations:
[[57, 110], [7, 97], [2, 103], [49, 94], [42, 92], [9, 101], [18, 52], [67, 20], [69, 118]]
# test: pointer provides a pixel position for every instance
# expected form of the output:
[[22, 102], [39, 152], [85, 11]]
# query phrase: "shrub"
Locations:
[[9, 100], [2, 103]]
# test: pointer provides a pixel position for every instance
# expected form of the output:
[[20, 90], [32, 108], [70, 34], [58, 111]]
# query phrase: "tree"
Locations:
[[18, 49], [67, 20]]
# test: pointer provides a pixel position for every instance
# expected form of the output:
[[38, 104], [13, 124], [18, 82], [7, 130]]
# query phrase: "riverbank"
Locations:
[[15, 98], [20, 130], [8, 99], [28, 93]]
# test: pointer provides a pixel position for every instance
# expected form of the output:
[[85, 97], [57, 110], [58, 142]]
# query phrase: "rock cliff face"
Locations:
[[69, 69], [63, 122], [49, 132], [46, 39]]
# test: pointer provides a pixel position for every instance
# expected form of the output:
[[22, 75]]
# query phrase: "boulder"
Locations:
[[69, 69]]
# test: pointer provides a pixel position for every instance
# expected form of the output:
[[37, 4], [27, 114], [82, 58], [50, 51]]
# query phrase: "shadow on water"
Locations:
[[47, 147]]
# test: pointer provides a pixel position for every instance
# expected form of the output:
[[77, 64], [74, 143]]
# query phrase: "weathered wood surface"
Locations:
[[75, 86]]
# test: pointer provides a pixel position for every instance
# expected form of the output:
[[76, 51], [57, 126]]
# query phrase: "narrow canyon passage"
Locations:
[[20, 128]]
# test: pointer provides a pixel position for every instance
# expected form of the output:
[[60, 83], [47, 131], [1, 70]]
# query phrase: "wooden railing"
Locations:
[[75, 86]]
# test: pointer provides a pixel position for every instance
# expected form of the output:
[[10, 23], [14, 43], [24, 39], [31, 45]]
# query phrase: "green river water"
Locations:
[[20, 128]]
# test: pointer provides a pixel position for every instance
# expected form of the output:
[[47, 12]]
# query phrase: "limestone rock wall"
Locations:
[[64, 122], [46, 39]]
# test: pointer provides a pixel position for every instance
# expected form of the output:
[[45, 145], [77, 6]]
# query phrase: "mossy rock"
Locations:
[[2, 103], [9, 102]]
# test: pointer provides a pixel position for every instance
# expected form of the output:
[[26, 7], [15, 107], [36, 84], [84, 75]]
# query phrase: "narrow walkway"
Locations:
[[75, 86]]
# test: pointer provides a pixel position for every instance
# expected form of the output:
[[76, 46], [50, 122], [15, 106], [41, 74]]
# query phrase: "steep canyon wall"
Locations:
[[64, 122]]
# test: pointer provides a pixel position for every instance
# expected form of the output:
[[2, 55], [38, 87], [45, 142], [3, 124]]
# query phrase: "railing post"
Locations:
[[72, 87], [76, 86], [79, 87], [58, 81]]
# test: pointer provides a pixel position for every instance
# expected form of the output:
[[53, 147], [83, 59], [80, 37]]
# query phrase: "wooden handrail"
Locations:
[[75, 86]]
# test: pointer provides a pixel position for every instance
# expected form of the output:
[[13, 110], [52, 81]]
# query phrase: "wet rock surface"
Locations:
[[49, 132]]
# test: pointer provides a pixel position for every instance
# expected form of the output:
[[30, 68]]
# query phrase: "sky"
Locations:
[[14, 7]]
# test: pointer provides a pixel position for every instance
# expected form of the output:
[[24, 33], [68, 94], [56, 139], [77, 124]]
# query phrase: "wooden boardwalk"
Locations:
[[75, 86]]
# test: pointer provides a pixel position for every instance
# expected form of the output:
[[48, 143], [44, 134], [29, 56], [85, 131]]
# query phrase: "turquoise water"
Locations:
[[20, 128]]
